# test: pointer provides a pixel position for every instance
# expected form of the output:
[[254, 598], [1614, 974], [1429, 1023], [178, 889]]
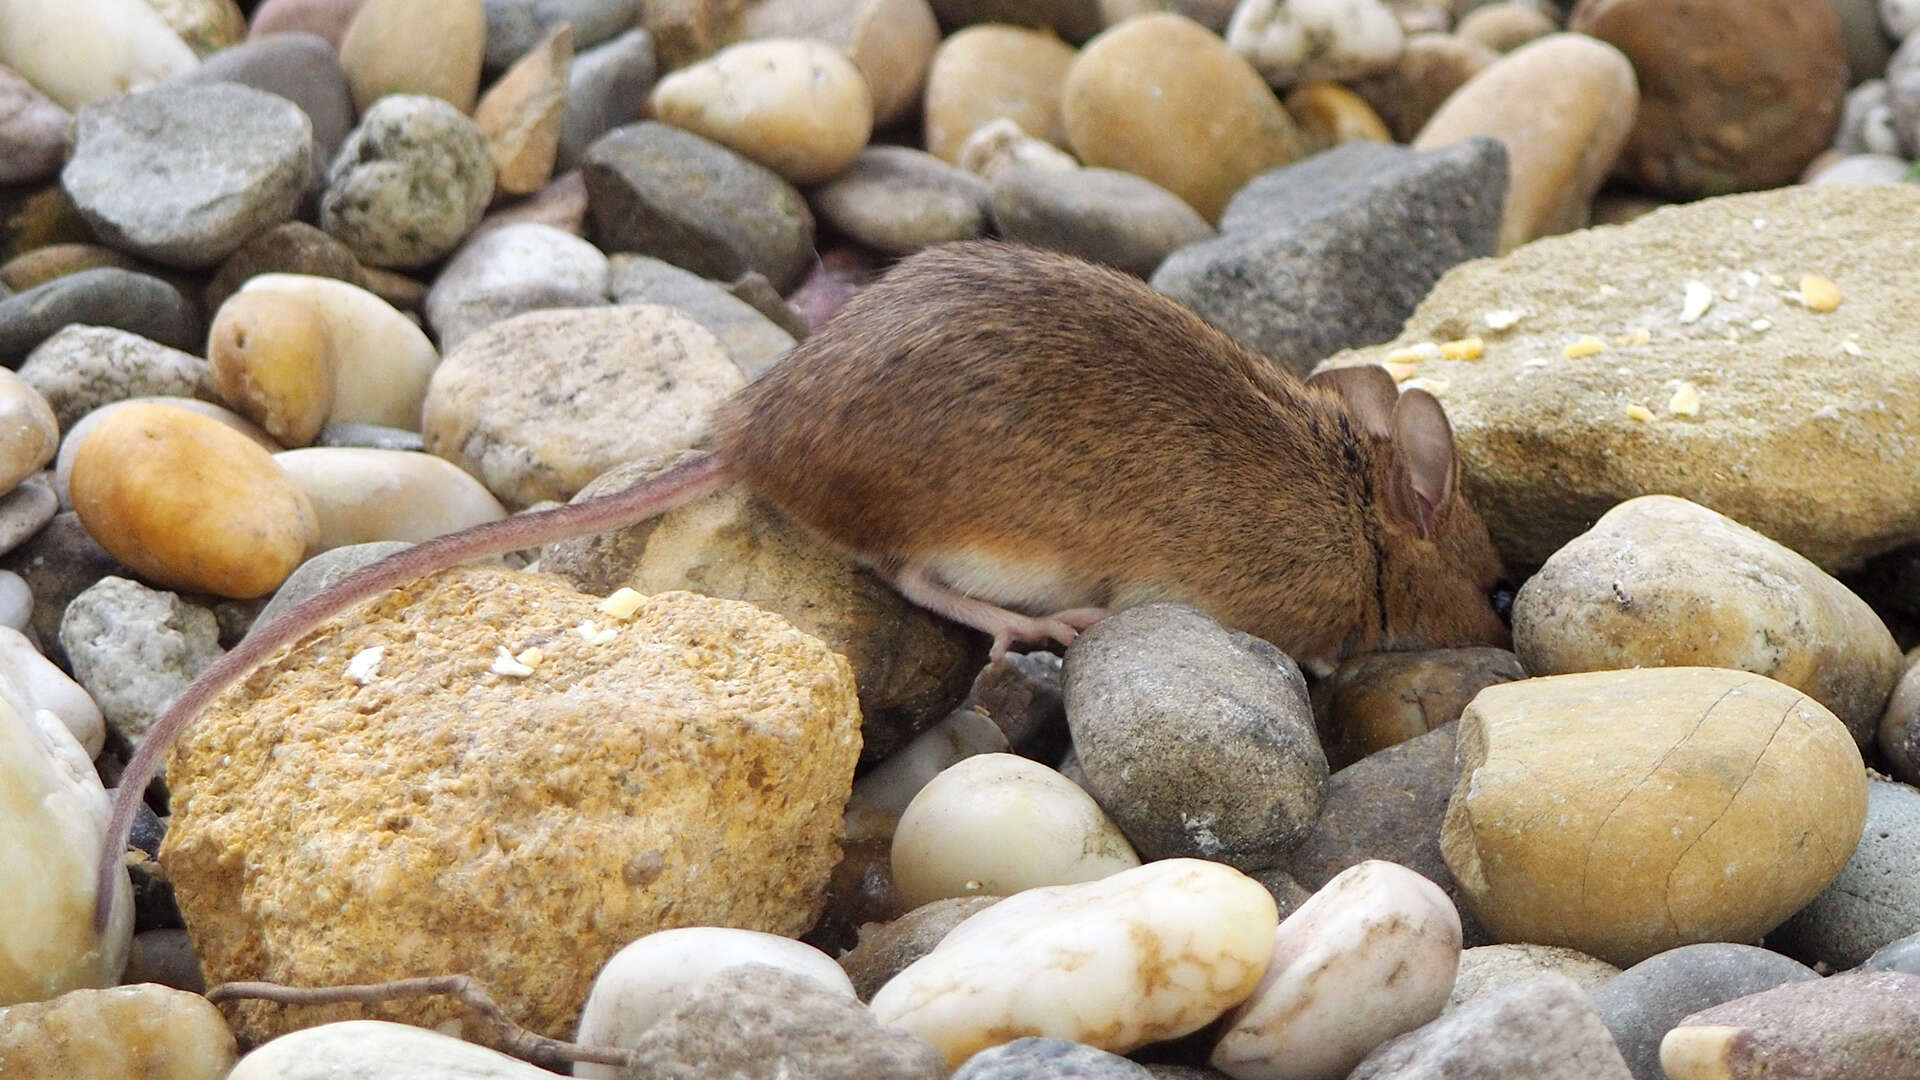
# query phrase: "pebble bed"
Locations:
[[287, 286]]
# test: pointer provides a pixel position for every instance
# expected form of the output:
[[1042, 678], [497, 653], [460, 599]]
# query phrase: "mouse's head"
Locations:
[[1441, 578]]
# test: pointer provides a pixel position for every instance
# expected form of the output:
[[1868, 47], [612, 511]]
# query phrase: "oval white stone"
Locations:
[[362, 495], [33, 683], [382, 360], [1147, 954], [995, 824], [378, 1048]]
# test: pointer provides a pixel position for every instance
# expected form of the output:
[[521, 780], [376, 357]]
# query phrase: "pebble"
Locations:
[[796, 106], [222, 162], [1504, 27], [1035, 1058], [538, 405], [764, 1022], [31, 682], [382, 361], [911, 667], [753, 340], [1548, 442], [1494, 967], [1370, 956], [686, 31], [1644, 1002], [270, 359], [322, 570], [238, 530], [34, 132], [409, 183], [1902, 955], [1903, 93], [1179, 942], [165, 957], [29, 434], [522, 113], [1100, 215], [372, 436], [54, 812], [1162, 97], [430, 48], [517, 27], [993, 72], [1663, 582], [325, 19], [107, 296], [1329, 114], [1295, 41], [1555, 166], [87, 51], [1709, 806], [1876, 898], [607, 86], [77, 435], [897, 200], [23, 512], [892, 42], [1240, 781], [16, 598], [467, 294], [886, 949], [885, 791], [58, 561], [123, 1033], [1075, 20], [134, 649], [1899, 733], [1866, 123], [361, 495], [370, 1048], [1899, 18], [995, 824], [1377, 700], [297, 66], [746, 730], [291, 248], [1733, 96], [1338, 250], [43, 264], [1855, 1024], [1541, 1029], [661, 191], [647, 979], [1430, 69]]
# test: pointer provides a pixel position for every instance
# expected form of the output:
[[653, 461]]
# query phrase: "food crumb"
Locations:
[[365, 664], [1695, 303], [622, 603], [1466, 348], [505, 663], [1640, 413], [1587, 345], [1501, 319], [1685, 400], [1819, 294]]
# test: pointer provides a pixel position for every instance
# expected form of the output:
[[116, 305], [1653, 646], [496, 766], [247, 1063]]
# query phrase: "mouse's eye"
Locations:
[[1501, 597]]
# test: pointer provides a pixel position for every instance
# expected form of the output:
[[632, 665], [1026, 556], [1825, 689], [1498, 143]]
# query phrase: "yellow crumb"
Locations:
[[1588, 345], [1685, 400], [622, 603], [1640, 413], [1466, 348], [1818, 293], [1401, 370]]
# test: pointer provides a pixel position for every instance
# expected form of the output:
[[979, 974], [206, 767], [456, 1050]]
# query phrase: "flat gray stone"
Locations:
[[1641, 1004], [1103, 215], [105, 296]]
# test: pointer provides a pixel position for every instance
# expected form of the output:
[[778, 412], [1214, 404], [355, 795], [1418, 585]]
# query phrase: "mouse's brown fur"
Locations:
[[994, 411]]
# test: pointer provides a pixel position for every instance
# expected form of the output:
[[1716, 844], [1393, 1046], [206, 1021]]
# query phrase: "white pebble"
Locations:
[[32, 683], [890, 786], [1148, 954], [378, 1048], [16, 600], [995, 824]]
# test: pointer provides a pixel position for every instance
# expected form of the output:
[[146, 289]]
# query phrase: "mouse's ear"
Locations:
[[1369, 392], [1425, 466]]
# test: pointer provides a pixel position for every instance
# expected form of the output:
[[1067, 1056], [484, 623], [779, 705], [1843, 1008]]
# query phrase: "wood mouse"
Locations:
[[1023, 441]]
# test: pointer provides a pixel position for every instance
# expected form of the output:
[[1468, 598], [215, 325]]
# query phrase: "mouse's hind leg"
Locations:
[[1007, 627]]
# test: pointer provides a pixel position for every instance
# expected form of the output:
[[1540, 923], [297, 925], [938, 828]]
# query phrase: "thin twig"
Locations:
[[514, 1039]]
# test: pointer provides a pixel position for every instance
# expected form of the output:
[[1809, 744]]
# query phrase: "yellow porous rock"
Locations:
[[434, 816], [1624, 813], [190, 503]]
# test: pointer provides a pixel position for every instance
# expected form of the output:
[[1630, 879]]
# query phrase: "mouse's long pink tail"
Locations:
[[680, 484]]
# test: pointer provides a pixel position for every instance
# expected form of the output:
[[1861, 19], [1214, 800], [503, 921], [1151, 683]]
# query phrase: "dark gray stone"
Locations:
[[1641, 1004], [1197, 740], [661, 191], [514, 26], [106, 296], [1102, 215], [58, 563], [323, 570], [1336, 251], [183, 174], [1389, 805], [296, 65], [757, 1022], [607, 86], [751, 338], [885, 949], [34, 132], [1540, 1029], [1035, 1058], [1021, 693], [1858, 1025], [1876, 898], [26, 510], [898, 200]]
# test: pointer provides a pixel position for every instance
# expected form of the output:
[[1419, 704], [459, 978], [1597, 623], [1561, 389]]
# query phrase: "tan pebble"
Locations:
[[207, 26], [983, 73], [1818, 293], [1000, 143], [432, 47], [190, 503], [40, 265], [1163, 97], [1430, 69], [520, 116], [29, 434], [1505, 27], [271, 361], [1329, 115], [148, 1031], [801, 108], [892, 41]]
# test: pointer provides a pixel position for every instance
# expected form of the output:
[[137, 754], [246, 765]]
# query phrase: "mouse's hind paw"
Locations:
[[1009, 628]]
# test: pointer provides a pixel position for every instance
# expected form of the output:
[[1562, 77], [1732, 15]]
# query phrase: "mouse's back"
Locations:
[[1045, 433]]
